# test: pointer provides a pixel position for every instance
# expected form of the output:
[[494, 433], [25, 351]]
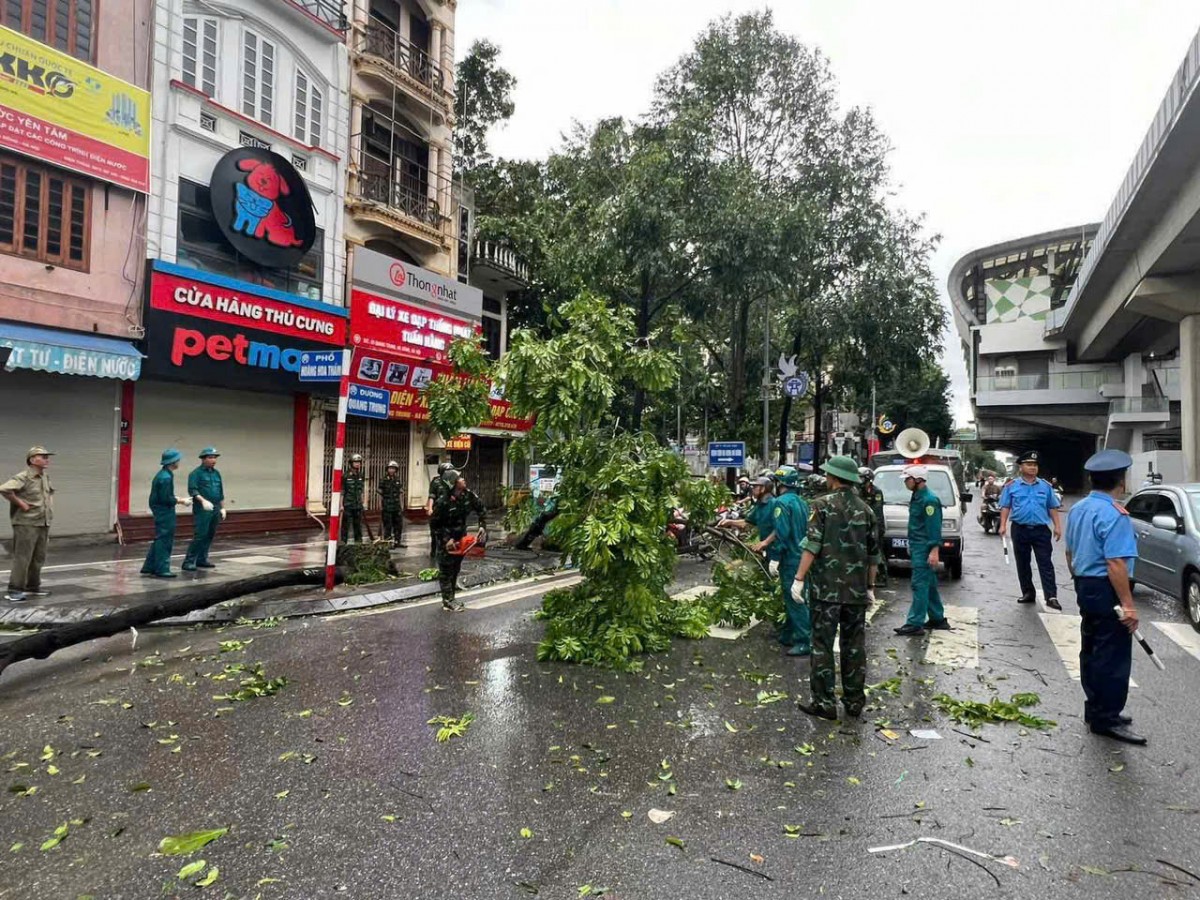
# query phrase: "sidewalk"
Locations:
[[86, 582]]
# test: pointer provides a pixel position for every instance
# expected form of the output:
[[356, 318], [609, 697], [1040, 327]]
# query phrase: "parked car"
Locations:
[[896, 498], [1166, 520]]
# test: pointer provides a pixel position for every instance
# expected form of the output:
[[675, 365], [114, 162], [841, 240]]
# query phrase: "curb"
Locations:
[[235, 610]]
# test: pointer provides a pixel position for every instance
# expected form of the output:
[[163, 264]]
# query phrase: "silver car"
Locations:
[[1166, 520]]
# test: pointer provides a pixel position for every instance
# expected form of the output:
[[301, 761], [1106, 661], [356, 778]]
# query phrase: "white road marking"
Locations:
[[958, 648], [1182, 634], [528, 591], [253, 560], [1064, 634]]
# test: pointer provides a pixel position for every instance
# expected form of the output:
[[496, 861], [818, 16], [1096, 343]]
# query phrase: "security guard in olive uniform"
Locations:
[[924, 548], [791, 525], [31, 510], [353, 483], [391, 489], [449, 521], [1101, 552], [162, 504], [437, 487], [207, 491]]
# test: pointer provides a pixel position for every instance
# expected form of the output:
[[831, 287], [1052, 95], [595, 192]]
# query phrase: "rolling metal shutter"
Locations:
[[252, 431], [379, 442], [75, 417]]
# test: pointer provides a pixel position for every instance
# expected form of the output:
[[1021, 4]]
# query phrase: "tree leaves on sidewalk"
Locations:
[[183, 844], [975, 713]]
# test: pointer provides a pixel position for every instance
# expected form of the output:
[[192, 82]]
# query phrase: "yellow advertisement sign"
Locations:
[[56, 108]]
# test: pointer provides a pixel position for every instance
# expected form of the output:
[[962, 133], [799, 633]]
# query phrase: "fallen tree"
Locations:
[[44, 643]]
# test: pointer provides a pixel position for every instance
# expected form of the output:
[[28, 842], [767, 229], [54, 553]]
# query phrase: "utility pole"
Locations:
[[766, 383]]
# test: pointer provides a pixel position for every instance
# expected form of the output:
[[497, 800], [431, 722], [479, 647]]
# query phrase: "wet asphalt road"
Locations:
[[335, 786]]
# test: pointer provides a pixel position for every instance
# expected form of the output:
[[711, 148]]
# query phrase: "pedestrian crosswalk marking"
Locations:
[[1064, 634], [521, 593], [254, 560], [1184, 635], [958, 648]]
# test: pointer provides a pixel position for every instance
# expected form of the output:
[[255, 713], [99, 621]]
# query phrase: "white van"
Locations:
[[896, 498]]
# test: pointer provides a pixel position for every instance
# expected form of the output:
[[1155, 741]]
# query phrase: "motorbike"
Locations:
[[989, 515]]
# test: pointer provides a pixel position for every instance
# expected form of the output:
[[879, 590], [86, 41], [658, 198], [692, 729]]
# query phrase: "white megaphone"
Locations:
[[912, 443]]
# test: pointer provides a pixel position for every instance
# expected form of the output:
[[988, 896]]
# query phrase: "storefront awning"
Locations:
[[67, 353]]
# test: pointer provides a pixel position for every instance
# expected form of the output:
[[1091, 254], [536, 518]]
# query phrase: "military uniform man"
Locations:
[[924, 549], [1101, 552], [450, 524], [841, 556], [207, 491], [162, 505], [437, 487], [873, 497], [31, 510], [354, 482], [391, 490]]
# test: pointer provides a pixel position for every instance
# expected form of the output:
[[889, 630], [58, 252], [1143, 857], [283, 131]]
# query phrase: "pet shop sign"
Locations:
[[263, 207]]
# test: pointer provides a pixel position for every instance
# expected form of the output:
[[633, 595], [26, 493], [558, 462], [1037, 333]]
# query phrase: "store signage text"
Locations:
[[381, 274], [389, 326], [188, 343]]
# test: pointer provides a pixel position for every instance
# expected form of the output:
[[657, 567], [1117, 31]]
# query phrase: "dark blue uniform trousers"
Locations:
[[1106, 656], [1037, 539]]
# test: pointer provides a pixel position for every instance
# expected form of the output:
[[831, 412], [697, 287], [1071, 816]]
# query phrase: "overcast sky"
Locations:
[[1007, 118]]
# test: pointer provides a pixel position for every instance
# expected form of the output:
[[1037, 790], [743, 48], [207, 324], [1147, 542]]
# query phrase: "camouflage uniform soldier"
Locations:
[[450, 527], [437, 487], [842, 552], [874, 499], [391, 489], [353, 483]]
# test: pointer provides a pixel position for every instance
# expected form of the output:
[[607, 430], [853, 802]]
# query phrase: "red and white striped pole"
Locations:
[[339, 450]]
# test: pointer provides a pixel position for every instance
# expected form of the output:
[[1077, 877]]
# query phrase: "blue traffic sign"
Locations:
[[726, 453], [321, 365], [369, 402], [797, 385]]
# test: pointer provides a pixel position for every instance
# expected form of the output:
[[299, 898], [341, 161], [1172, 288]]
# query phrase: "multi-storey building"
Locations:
[[246, 252], [74, 180]]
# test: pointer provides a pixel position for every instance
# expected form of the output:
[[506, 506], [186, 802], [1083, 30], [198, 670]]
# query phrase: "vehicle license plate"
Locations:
[[900, 543]]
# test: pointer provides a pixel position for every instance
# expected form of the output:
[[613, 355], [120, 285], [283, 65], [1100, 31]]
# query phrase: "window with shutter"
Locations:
[[258, 78], [200, 54], [44, 214]]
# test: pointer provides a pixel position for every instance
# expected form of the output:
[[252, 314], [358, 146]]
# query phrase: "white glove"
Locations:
[[205, 503], [798, 591], [222, 514], [870, 595], [773, 568]]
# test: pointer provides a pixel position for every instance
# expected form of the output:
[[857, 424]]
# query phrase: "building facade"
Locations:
[[74, 185]]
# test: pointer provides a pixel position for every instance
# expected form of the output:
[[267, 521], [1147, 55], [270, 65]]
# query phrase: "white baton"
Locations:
[[1137, 636]]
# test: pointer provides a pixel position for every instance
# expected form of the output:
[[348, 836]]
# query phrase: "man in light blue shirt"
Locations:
[[1031, 505], [1101, 551]]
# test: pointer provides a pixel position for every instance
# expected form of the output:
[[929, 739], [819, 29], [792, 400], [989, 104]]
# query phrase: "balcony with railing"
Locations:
[[1045, 388], [327, 12], [383, 51], [501, 258], [1140, 406], [401, 194]]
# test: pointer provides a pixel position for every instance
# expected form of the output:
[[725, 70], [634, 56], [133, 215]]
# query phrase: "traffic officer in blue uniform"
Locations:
[[207, 491], [924, 549], [1030, 505], [1101, 551], [162, 505]]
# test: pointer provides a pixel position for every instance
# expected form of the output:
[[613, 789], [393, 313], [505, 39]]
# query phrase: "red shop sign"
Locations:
[[381, 325], [218, 299]]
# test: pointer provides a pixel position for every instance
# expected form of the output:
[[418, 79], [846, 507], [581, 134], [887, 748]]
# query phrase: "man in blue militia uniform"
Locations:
[[791, 527], [162, 504], [208, 509], [1030, 505], [1101, 551], [924, 546]]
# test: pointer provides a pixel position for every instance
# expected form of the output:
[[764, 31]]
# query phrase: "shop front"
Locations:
[[240, 367], [61, 390]]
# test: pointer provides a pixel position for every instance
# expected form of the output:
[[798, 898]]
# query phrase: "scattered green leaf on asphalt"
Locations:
[[1010, 821], [891, 686], [853, 780], [805, 749], [183, 844], [209, 878], [278, 845], [16, 848], [970, 762], [140, 787], [734, 784], [675, 842], [53, 770], [47, 753], [792, 831], [450, 727], [428, 574], [192, 868], [1095, 870], [526, 833], [60, 834], [730, 727], [975, 713], [766, 697], [626, 814], [605, 699], [305, 713], [345, 700], [388, 818], [80, 780], [235, 646], [252, 682], [1119, 767], [282, 795]]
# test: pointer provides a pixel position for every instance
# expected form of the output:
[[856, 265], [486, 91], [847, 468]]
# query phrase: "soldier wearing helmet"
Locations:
[[449, 521], [353, 483], [206, 487], [437, 487], [873, 497], [391, 490]]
